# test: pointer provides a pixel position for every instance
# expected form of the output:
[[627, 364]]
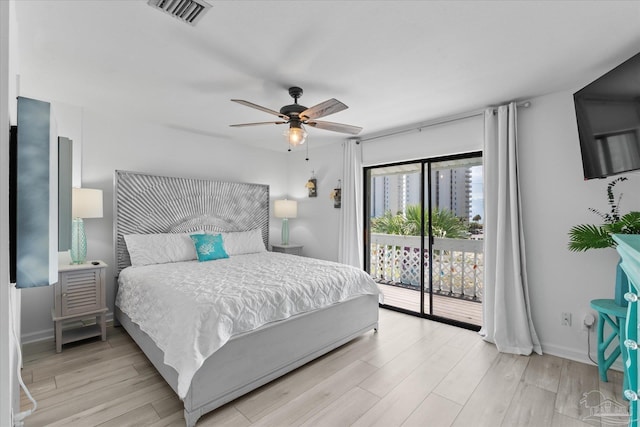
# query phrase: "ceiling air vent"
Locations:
[[189, 11]]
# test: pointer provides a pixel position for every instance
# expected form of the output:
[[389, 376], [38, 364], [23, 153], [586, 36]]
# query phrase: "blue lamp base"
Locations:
[[78, 242], [285, 231]]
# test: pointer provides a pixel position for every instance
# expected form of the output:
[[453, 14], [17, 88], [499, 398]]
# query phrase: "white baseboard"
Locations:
[[578, 356], [32, 337]]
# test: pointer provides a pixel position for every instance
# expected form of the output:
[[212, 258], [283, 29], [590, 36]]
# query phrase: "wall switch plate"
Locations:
[[566, 319]]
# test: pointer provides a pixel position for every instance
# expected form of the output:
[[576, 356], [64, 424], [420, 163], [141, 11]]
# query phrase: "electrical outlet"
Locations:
[[566, 319]]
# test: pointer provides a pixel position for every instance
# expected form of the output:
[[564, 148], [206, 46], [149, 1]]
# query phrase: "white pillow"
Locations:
[[243, 242], [146, 249]]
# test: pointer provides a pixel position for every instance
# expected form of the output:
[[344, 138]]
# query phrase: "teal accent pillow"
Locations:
[[209, 247]]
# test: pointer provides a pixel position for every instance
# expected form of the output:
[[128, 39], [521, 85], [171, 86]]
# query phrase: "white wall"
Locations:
[[69, 125], [111, 142], [555, 197], [455, 137], [9, 296], [318, 222]]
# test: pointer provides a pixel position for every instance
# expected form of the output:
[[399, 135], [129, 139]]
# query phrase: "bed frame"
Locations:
[[145, 204]]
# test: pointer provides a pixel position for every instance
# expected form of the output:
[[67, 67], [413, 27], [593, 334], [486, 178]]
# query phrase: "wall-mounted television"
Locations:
[[608, 115]]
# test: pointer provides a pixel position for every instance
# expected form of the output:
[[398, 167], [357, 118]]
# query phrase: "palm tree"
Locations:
[[444, 223], [388, 224], [413, 215]]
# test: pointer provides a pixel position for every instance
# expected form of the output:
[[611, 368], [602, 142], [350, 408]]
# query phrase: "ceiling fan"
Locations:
[[297, 115]]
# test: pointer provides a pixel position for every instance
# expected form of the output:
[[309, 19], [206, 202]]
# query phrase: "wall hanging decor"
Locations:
[[312, 185], [336, 196]]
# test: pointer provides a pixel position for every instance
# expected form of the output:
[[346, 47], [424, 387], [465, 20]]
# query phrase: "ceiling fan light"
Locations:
[[296, 136]]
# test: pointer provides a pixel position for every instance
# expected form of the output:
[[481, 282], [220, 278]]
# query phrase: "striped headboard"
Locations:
[[147, 204]]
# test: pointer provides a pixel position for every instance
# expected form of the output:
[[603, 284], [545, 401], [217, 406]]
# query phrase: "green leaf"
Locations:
[[630, 223], [587, 236], [445, 223]]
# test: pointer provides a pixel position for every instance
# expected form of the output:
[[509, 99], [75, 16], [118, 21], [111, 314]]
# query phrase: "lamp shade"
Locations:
[[296, 135], [285, 208], [86, 203]]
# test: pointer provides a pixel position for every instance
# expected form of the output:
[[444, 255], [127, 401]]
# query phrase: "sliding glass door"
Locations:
[[424, 236], [456, 207], [394, 224]]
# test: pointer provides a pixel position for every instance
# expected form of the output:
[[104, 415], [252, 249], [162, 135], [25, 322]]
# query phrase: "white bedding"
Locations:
[[191, 309]]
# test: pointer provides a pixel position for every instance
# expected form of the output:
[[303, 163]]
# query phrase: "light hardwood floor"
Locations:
[[413, 372]]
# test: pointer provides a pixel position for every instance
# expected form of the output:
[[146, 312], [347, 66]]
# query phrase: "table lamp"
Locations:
[[85, 203], [285, 209]]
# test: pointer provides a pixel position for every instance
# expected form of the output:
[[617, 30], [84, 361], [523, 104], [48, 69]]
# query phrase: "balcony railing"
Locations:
[[458, 264]]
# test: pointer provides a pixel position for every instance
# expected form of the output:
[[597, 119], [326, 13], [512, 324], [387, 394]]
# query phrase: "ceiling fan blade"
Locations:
[[335, 127], [325, 108], [257, 124], [261, 108]]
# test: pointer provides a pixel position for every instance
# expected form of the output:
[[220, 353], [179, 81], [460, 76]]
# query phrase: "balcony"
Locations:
[[458, 266]]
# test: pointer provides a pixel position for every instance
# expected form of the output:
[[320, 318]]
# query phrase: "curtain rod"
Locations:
[[418, 127]]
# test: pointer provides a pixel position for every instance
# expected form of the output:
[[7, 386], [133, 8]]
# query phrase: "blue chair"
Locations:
[[614, 315]]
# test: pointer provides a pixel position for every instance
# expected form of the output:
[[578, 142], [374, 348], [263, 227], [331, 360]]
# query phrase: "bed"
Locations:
[[237, 356]]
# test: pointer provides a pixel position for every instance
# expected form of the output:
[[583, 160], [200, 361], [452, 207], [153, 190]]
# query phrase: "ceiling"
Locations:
[[394, 63]]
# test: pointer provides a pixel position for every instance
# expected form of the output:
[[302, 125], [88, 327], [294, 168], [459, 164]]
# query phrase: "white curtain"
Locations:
[[350, 247], [507, 315]]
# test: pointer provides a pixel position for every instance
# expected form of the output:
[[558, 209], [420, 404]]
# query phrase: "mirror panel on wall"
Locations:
[[65, 183], [34, 167]]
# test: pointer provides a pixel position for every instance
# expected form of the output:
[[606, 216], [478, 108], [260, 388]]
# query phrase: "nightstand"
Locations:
[[287, 249], [79, 294]]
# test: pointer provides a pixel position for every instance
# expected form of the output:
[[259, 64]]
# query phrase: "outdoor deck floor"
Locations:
[[452, 308]]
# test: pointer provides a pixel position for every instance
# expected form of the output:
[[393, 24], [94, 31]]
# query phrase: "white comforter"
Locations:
[[191, 309]]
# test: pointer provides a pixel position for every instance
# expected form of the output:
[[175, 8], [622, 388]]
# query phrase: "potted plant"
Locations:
[[589, 236]]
